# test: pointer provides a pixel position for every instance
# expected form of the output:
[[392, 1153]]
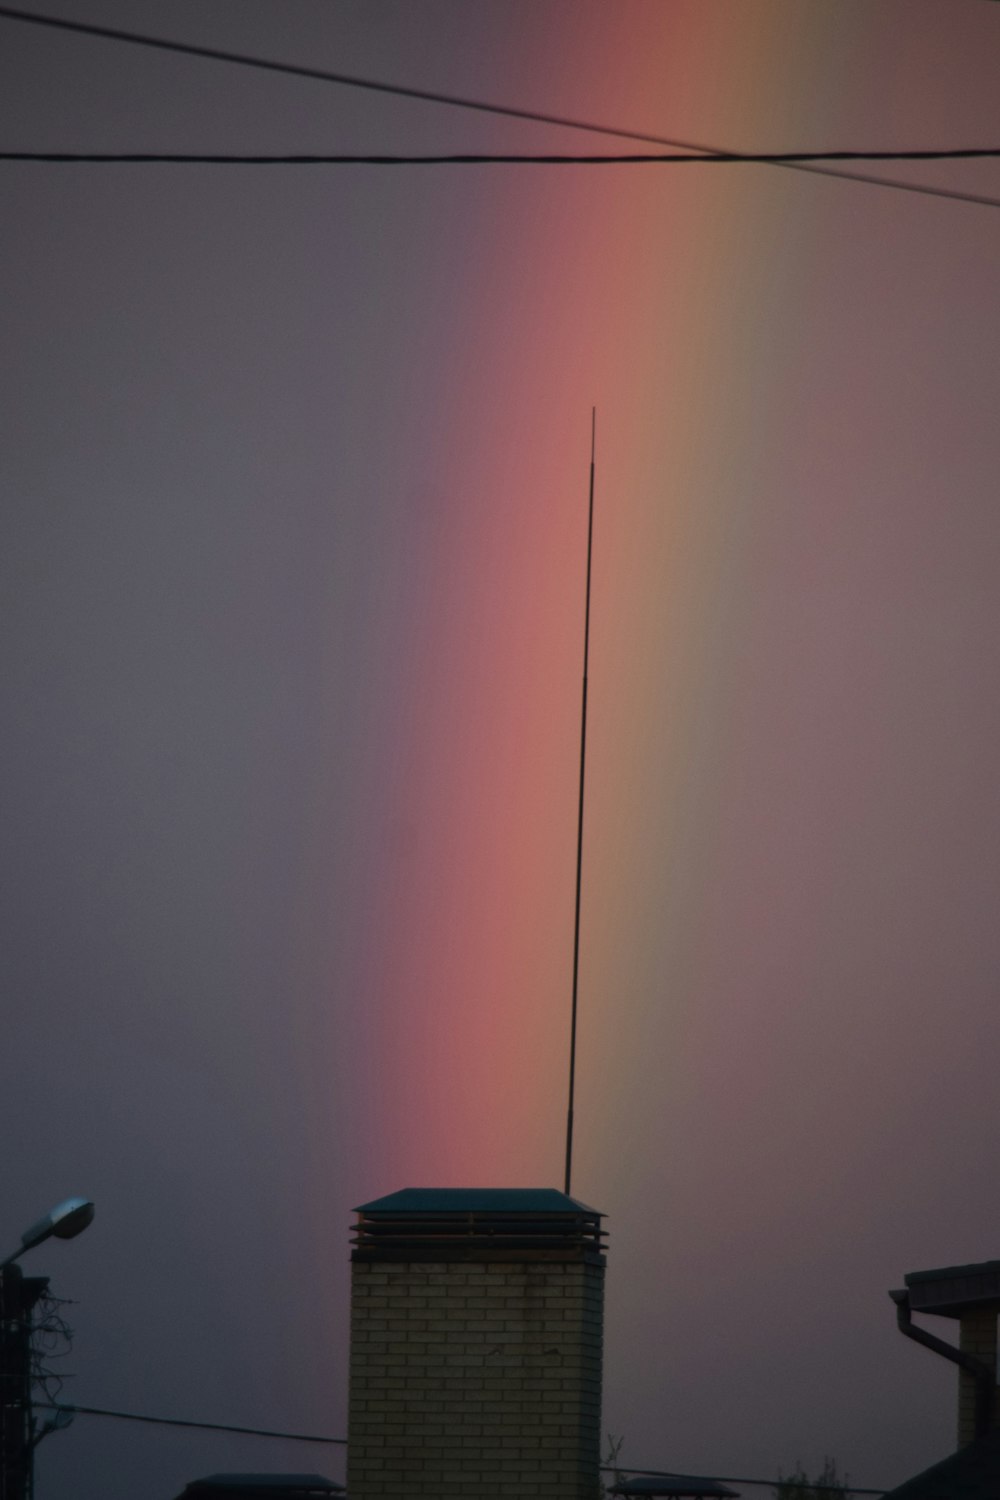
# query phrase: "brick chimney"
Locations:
[[971, 1296], [476, 1331]]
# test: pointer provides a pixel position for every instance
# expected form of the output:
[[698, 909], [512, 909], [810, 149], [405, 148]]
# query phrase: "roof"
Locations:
[[671, 1484], [476, 1201], [951, 1290], [973, 1473], [260, 1486]]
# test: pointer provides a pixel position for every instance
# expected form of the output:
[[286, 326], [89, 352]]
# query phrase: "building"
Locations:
[[973, 1473], [970, 1296], [476, 1338]]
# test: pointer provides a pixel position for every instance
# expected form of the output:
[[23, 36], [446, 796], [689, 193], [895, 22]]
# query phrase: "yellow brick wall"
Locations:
[[978, 1336], [475, 1380]]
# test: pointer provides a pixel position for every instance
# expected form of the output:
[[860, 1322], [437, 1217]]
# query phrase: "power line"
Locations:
[[303, 160], [348, 80], [478, 158], [458, 101], [738, 1479], [300, 1437], [131, 1416]]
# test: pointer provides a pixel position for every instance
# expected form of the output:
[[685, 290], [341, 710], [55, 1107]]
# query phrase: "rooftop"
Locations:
[[675, 1485], [973, 1473], [260, 1486], [952, 1290]]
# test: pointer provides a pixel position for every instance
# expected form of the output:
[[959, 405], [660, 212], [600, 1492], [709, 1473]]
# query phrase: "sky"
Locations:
[[294, 478]]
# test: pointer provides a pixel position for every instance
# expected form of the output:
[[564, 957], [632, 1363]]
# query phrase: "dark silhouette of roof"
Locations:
[[973, 1473], [475, 1201], [676, 1485], [952, 1290], [260, 1487]]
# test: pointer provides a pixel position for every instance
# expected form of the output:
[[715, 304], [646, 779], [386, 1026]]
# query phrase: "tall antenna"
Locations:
[[579, 825]]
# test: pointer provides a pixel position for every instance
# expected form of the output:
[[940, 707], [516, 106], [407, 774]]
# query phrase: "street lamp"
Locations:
[[66, 1220], [18, 1295]]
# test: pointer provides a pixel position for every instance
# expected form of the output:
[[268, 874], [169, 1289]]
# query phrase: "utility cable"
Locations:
[[324, 75], [131, 1416], [777, 1484], [477, 158], [458, 101], [793, 159], [300, 1437]]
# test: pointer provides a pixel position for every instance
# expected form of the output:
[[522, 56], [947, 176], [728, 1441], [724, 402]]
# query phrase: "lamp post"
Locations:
[[18, 1296]]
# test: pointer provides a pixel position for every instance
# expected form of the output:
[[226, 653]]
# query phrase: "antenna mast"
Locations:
[[579, 826]]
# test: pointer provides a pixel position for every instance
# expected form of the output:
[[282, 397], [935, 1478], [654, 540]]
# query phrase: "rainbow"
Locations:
[[670, 300]]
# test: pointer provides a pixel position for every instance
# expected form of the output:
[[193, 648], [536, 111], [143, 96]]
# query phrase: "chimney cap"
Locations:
[[439, 1224], [422, 1201]]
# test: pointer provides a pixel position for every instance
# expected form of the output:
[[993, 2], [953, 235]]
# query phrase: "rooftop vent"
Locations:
[[440, 1224]]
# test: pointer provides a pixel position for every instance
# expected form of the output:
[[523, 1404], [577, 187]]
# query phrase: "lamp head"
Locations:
[[64, 1221]]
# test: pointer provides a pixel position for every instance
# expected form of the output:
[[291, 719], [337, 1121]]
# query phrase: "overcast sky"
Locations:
[[294, 482]]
